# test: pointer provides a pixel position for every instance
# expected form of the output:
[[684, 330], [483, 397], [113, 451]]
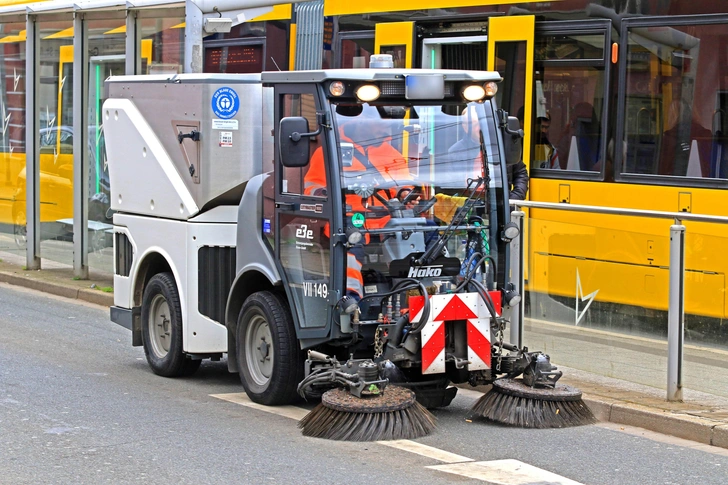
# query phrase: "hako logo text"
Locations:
[[425, 272], [304, 232]]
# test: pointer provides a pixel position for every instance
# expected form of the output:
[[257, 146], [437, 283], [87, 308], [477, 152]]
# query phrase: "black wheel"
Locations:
[[270, 361], [162, 328]]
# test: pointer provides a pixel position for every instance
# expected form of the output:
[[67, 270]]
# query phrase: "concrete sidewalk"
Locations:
[[701, 417]]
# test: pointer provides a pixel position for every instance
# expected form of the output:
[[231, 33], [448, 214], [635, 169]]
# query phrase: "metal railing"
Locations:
[[676, 296]]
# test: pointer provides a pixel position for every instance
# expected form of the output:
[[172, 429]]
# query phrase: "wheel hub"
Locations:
[[263, 349]]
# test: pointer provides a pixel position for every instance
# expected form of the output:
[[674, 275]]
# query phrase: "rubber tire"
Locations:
[[175, 362], [287, 362]]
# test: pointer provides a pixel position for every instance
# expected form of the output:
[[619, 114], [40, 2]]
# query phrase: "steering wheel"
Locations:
[[424, 206]]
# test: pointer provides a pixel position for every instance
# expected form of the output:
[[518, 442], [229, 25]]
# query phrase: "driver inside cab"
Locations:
[[373, 162]]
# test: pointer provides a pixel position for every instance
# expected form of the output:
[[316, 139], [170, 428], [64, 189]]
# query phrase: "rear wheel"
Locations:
[[270, 361], [162, 328]]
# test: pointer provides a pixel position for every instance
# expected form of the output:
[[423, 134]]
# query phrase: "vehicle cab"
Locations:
[[384, 178]]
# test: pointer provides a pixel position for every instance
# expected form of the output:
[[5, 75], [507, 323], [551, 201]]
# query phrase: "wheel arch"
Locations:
[[248, 281], [151, 263]]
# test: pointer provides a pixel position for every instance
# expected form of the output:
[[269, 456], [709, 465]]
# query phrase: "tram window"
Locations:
[[570, 46], [677, 101], [566, 120], [355, 52]]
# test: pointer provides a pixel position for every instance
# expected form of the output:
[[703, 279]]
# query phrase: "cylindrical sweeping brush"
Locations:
[[392, 415], [512, 402]]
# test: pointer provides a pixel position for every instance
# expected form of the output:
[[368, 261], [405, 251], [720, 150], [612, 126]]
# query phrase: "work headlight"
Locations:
[[337, 88], [473, 92], [367, 92]]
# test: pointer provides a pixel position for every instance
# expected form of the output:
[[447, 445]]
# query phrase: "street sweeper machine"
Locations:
[[338, 235]]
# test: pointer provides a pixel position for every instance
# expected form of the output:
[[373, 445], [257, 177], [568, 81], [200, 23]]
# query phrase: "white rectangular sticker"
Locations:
[[226, 139], [224, 124]]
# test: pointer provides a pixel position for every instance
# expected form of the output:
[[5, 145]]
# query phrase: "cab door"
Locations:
[[510, 52], [302, 217]]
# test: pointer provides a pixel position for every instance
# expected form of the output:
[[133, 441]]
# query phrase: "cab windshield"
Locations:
[[414, 177]]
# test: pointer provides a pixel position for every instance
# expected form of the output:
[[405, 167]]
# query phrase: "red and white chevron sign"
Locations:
[[449, 307]]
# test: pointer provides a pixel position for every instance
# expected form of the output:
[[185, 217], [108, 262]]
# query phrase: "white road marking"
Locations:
[[504, 472], [241, 398], [426, 451]]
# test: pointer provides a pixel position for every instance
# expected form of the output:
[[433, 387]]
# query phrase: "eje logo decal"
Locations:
[[304, 232]]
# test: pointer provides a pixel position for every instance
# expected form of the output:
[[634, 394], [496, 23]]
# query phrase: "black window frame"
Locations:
[[589, 27], [340, 37], [619, 160]]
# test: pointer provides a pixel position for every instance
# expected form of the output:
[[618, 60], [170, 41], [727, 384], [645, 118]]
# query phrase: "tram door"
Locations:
[[510, 52], [507, 48]]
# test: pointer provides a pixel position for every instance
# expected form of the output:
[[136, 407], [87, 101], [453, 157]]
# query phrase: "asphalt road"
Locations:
[[78, 404]]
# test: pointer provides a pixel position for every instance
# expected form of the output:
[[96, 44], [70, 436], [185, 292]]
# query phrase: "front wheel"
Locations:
[[162, 328], [270, 361]]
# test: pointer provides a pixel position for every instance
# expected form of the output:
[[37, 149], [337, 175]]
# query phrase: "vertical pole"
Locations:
[[80, 147], [193, 38], [133, 58], [32, 142], [676, 313], [516, 277]]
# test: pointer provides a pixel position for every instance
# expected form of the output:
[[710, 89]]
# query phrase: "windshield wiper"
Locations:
[[435, 250]]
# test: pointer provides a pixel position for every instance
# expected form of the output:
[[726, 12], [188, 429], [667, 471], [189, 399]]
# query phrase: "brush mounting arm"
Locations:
[[540, 371], [362, 377]]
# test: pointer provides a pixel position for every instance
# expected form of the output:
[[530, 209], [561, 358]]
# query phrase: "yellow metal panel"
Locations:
[[147, 50], [14, 38], [395, 33], [63, 34], [292, 52], [8, 3], [515, 29], [280, 12], [631, 249], [118, 30], [347, 7]]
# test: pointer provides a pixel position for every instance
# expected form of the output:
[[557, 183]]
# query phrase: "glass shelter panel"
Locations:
[[163, 42], [55, 118], [676, 103], [705, 359], [12, 137], [355, 52], [106, 58], [590, 304]]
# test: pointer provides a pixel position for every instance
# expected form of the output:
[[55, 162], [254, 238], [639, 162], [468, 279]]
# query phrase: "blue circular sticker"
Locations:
[[225, 103]]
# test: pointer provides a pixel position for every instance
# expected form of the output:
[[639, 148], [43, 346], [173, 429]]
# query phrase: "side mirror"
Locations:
[[294, 142], [513, 141]]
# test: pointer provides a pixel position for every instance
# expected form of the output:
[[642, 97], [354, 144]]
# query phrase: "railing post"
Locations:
[[516, 277], [676, 313]]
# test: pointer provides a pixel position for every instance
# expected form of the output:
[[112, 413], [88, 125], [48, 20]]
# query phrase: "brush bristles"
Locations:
[[532, 413], [412, 422]]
